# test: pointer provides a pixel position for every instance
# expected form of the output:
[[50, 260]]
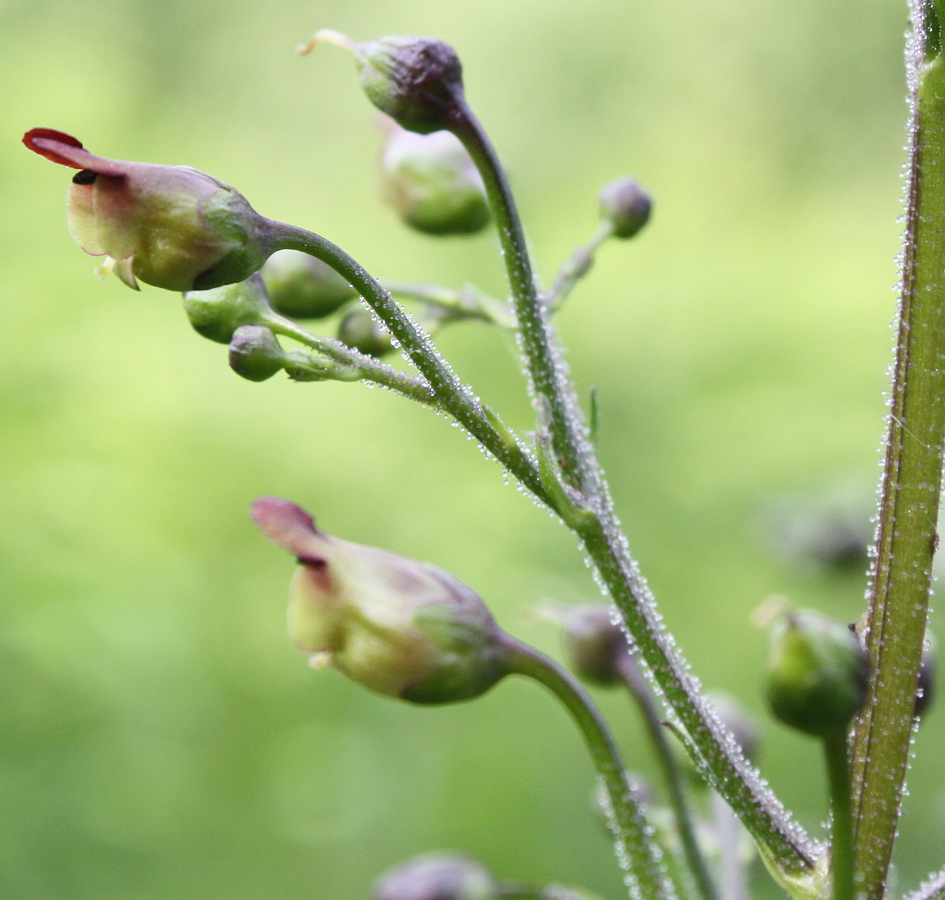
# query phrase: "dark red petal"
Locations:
[[67, 151], [45, 149]]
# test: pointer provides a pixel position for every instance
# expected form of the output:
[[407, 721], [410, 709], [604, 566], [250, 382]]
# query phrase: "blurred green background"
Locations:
[[159, 737]]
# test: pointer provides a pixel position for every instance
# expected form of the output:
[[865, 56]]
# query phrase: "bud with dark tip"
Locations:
[[303, 287], [360, 330], [417, 81], [818, 672], [399, 627], [255, 353], [169, 226], [217, 313], [432, 183], [626, 206], [437, 876]]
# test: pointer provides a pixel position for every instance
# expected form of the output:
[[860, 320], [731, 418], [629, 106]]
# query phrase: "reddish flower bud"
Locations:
[[399, 627], [169, 226]]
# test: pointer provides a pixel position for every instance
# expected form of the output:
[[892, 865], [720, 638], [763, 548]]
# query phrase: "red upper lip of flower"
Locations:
[[66, 150]]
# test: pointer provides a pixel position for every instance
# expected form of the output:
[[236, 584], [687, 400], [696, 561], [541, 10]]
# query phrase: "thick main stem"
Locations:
[[906, 535], [646, 876]]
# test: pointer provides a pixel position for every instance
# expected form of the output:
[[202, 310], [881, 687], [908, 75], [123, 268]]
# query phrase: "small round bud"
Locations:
[[397, 626], [431, 182], [437, 876], [595, 645], [217, 313], [818, 672], [626, 206], [255, 353], [417, 81], [303, 287], [360, 330]]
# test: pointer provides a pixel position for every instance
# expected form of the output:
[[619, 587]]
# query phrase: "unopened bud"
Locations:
[[417, 81], [360, 330], [217, 313], [303, 287], [432, 183], [818, 672], [255, 353], [595, 644], [626, 206], [399, 627], [437, 876]]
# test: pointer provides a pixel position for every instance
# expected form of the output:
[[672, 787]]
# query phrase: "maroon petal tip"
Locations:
[[44, 141], [288, 525], [65, 150]]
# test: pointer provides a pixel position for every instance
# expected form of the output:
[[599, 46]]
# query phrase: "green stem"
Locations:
[[718, 755], [666, 759], [635, 846], [466, 303], [370, 369], [452, 396], [546, 369], [906, 535], [577, 266], [836, 756]]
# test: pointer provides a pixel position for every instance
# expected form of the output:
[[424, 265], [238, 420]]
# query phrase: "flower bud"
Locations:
[[169, 226], [360, 330], [255, 353], [437, 876], [626, 206], [399, 627], [432, 183], [818, 672], [417, 81], [595, 644], [303, 287], [218, 313]]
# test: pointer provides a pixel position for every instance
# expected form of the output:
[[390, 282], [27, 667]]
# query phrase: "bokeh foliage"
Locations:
[[158, 735]]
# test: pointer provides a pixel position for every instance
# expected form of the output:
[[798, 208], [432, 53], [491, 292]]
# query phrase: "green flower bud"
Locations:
[[169, 226], [626, 206], [303, 287], [399, 627], [360, 330], [818, 672], [217, 313], [417, 81], [595, 644], [437, 876], [432, 183], [255, 353]]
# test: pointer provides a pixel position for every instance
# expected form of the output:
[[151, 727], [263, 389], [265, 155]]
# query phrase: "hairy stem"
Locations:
[[453, 397], [646, 877], [717, 753], [636, 684], [906, 535]]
